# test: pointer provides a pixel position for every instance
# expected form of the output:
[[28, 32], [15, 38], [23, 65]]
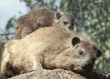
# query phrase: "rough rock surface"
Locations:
[[60, 74], [50, 74]]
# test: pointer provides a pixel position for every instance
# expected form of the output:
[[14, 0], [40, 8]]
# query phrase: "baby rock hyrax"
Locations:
[[42, 17], [49, 48]]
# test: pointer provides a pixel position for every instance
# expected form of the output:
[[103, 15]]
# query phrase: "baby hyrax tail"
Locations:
[[42, 17], [49, 48]]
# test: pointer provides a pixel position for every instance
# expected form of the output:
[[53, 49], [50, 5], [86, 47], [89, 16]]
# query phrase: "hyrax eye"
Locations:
[[16, 28], [95, 48], [58, 15], [81, 53], [32, 29], [65, 22], [75, 40]]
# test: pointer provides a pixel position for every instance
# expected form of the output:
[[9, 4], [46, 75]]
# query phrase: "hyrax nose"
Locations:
[[98, 53]]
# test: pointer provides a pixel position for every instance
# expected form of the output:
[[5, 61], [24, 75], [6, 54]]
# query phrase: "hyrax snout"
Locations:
[[49, 48]]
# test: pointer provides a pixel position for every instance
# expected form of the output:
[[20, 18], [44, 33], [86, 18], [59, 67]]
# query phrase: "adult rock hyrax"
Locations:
[[42, 17], [49, 48]]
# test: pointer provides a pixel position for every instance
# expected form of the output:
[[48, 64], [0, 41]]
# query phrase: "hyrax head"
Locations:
[[65, 19], [80, 56], [85, 53]]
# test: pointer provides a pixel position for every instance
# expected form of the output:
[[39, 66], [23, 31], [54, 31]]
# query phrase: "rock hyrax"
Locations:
[[49, 48], [42, 17]]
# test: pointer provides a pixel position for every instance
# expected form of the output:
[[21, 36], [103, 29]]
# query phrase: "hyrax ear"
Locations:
[[59, 14], [75, 40]]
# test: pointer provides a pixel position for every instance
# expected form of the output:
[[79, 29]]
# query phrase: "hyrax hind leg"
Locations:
[[5, 64], [31, 63]]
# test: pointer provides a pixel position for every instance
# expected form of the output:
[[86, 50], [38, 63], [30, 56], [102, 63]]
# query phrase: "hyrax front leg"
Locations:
[[37, 63]]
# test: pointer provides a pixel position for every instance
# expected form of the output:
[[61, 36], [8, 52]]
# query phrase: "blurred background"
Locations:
[[92, 18]]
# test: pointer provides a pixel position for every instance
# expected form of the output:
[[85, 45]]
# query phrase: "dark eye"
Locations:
[[81, 53], [65, 22], [32, 29], [58, 15], [16, 28], [95, 48]]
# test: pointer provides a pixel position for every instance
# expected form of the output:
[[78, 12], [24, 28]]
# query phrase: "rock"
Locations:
[[50, 74]]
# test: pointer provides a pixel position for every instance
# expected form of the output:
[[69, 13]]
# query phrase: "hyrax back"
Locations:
[[49, 48], [42, 17]]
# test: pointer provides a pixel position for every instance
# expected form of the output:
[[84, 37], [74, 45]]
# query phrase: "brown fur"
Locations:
[[0, 58], [0, 49], [49, 48], [42, 17], [0, 55], [1, 75]]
